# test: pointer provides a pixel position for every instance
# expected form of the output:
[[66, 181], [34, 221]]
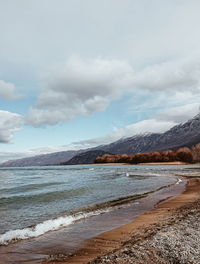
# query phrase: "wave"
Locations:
[[42, 228], [178, 181], [64, 221], [30, 187], [142, 176], [44, 197]]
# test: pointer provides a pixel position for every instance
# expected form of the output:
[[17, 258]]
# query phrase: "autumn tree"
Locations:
[[184, 154], [196, 152]]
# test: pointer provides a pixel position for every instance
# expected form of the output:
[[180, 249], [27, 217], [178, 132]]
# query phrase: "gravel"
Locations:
[[175, 241]]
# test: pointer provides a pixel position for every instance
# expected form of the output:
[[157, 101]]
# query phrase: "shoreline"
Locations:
[[95, 249], [148, 163]]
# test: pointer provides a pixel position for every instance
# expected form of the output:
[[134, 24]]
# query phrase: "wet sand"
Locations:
[[100, 248]]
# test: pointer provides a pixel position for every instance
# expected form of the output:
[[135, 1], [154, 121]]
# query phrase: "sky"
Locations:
[[77, 74]]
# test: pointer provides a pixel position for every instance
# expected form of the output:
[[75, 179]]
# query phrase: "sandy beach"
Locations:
[[167, 234]]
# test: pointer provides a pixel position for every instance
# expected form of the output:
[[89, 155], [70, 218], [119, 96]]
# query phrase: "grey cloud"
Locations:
[[136, 29], [9, 123], [174, 76]]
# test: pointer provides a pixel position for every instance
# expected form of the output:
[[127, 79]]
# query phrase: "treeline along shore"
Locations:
[[184, 154]]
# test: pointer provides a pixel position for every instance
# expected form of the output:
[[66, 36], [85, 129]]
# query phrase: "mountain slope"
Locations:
[[87, 157], [42, 160]]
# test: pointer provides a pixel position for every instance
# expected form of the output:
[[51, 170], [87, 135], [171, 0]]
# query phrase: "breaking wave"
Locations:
[[178, 181], [44, 227], [12, 236]]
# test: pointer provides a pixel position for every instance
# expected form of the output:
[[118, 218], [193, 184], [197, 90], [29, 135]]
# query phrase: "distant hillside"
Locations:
[[187, 134], [87, 157], [42, 160]]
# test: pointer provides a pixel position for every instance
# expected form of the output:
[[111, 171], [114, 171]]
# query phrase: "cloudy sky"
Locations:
[[77, 73]]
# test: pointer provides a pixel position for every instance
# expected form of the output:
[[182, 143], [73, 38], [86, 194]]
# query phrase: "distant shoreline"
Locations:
[[148, 163], [165, 163]]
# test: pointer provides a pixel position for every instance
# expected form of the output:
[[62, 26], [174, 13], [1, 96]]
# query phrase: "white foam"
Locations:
[[153, 174], [44, 227], [179, 181]]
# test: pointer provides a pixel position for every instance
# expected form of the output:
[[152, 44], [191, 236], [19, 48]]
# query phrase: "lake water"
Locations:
[[36, 200]]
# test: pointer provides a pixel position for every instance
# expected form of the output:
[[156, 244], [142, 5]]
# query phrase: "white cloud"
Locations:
[[145, 126], [7, 91], [9, 123], [179, 114], [83, 87]]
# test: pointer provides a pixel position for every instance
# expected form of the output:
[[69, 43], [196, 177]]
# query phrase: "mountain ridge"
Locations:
[[87, 157]]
